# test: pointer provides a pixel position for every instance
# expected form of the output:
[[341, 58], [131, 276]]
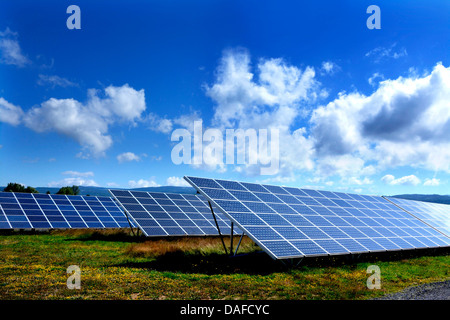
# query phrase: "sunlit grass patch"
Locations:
[[119, 265]]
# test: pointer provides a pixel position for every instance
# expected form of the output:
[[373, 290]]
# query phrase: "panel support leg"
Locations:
[[218, 229], [239, 243], [129, 223], [231, 239]]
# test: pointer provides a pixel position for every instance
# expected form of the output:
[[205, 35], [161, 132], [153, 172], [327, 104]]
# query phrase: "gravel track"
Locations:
[[429, 291]]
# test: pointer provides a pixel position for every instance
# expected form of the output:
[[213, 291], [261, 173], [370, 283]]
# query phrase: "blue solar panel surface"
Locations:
[[436, 215], [172, 214], [42, 211], [291, 222]]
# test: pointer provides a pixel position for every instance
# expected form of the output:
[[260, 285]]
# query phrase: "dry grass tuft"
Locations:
[[187, 245]]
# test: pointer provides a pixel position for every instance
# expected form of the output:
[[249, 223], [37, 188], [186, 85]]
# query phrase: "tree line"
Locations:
[[17, 187]]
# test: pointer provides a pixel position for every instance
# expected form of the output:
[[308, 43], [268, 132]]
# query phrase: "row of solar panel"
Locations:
[[439, 219], [162, 214], [42, 211], [277, 190], [290, 222]]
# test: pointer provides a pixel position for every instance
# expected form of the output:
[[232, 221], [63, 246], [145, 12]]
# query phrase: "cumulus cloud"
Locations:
[[373, 79], [10, 50], [77, 178], [74, 181], [410, 180], [405, 122], [432, 182], [88, 123], [10, 113], [329, 67], [78, 174], [270, 95], [158, 124], [142, 183], [127, 157], [177, 182], [112, 184]]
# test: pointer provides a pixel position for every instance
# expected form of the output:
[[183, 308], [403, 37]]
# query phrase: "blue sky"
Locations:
[[358, 110]]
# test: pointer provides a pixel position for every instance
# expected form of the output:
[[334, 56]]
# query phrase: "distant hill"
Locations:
[[426, 197], [103, 192]]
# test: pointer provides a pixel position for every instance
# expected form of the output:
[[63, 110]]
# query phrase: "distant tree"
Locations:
[[76, 190], [73, 190], [31, 190], [48, 192], [14, 187], [17, 187]]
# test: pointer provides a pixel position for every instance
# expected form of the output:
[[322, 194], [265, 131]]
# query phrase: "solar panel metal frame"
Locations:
[[51, 211], [382, 205], [192, 200]]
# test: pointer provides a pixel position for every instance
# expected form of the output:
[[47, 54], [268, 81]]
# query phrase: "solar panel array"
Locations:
[[170, 214], [291, 222], [43, 211], [436, 215]]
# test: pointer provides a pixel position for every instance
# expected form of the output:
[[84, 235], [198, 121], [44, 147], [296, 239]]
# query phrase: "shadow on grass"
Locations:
[[259, 263]]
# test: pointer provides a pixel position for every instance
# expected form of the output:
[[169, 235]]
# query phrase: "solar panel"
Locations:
[[436, 215], [43, 211], [292, 222], [171, 214]]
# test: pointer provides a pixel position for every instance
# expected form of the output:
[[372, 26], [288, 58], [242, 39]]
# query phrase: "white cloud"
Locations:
[[77, 181], [54, 81], [177, 182], [77, 178], [388, 178], [127, 157], [373, 79], [359, 182], [112, 184], [142, 183], [87, 123], [159, 124], [78, 174], [432, 182], [73, 119], [329, 67], [10, 113], [10, 50], [270, 96], [405, 122], [410, 180], [380, 53], [123, 104]]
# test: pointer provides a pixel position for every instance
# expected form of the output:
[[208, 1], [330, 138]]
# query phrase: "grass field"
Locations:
[[117, 265]]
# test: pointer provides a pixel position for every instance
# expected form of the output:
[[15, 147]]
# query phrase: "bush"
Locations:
[[73, 190], [17, 187]]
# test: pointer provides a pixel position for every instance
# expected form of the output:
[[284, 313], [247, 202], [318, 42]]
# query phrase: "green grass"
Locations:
[[116, 265]]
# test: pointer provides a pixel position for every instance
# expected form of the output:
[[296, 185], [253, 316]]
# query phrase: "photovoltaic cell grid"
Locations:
[[170, 214], [436, 215], [42, 211], [290, 222]]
